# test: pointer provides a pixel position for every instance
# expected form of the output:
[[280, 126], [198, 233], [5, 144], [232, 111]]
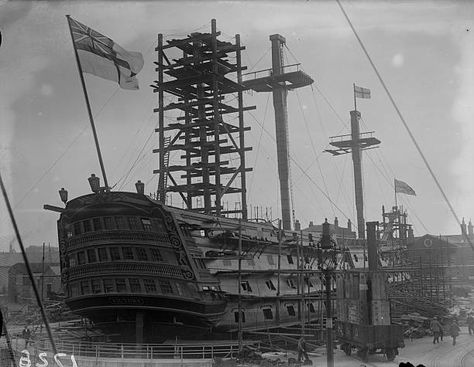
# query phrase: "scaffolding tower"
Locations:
[[202, 84]]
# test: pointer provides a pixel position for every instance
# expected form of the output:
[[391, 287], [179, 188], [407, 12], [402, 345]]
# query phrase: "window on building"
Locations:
[[246, 286], [108, 286], [127, 253], [96, 286], [86, 224], [85, 287], [308, 282], [236, 316], [291, 310], [103, 254], [121, 285], [141, 254], [165, 286], [134, 223], [270, 260], [91, 255], [81, 257], [77, 228], [97, 222], [150, 286], [156, 255], [267, 313], [311, 308], [146, 223], [26, 281], [290, 259], [109, 223], [270, 285], [135, 286], [291, 283], [114, 253], [356, 259]]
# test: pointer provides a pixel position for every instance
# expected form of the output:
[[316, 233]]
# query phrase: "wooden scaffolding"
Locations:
[[203, 83]]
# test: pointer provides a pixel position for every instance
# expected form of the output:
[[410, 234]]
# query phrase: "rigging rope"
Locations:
[[259, 141], [260, 59], [407, 128], [316, 156], [27, 265], [306, 174], [388, 178]]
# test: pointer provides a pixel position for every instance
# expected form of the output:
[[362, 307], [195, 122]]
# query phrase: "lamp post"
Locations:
[[327, 263]]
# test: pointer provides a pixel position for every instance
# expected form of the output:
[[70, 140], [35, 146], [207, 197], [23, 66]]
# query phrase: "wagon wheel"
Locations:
[[390, 353]]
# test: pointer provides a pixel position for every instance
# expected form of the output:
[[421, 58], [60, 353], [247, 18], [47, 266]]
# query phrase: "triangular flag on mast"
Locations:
[[101, 56], [403, 188]]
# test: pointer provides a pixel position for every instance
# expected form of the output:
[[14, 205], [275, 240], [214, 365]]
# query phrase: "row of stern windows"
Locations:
[[268, 312], [116, 253], [124, 285], [132, 285], [116, 222]]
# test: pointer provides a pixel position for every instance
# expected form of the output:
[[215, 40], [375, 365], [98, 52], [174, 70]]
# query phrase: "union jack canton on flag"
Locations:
[[101, 56]]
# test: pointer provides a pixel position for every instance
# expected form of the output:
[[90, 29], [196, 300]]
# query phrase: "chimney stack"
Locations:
[[336, 222], [297, 225]]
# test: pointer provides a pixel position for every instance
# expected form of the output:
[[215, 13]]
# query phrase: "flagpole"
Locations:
[[355, 103], [395, 190], [91, 119]]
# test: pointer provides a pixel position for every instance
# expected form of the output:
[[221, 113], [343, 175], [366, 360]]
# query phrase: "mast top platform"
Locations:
[[290, 78]]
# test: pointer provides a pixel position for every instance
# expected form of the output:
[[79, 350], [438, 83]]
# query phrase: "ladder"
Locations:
[[163, 181]]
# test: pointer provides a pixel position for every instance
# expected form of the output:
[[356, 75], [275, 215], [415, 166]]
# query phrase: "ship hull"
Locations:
[[141, 270]]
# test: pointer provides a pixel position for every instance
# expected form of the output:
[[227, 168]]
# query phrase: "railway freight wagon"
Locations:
[[363, 310]]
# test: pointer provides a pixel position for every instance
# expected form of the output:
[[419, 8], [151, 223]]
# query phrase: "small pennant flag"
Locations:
[[403, 188], [101, 56], [360, 92]]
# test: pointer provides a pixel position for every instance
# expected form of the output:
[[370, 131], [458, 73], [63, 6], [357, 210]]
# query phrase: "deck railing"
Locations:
[[133, 351]]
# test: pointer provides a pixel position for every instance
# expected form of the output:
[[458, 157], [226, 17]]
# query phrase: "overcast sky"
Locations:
[[424, 51]]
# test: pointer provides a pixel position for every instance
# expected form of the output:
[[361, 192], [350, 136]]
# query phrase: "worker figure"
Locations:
[[436, 328], [454, 330], [302, 350], [26, 334], [443, 328], [470, 324]]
